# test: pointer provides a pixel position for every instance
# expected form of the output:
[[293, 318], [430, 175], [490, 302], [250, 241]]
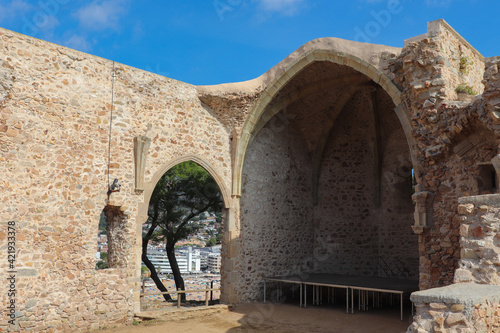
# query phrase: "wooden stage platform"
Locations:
[[368, 289]]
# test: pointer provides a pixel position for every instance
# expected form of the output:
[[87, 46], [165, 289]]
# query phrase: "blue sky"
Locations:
[[218, 41]]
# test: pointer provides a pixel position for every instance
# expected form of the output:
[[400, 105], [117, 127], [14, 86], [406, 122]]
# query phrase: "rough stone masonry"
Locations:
[[342, 155]]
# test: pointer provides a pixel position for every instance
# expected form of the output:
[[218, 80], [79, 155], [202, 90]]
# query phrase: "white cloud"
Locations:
[[102, 14], [48, 23], [79, 43], [138, 31], [284, 7], [14, 9]]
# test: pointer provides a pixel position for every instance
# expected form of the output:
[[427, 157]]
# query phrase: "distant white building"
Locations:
[[186, 260], [214, 261], [216, 248]]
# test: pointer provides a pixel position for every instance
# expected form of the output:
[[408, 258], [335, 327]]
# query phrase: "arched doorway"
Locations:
[[326, 175], [150, 187]]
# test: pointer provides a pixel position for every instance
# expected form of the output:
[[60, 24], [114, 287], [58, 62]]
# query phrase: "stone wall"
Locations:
[[461, 308], [453, 138], [473, 303], [450, 61], [462, 63], [480, 240], [364, 206], [344, 221], [54, 128], [492, 91], [276, 209], [396, 239]]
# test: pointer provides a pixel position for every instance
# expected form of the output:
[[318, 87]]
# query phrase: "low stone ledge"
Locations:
[[464, 308], [485, 199], [174, 314], [468, 294]]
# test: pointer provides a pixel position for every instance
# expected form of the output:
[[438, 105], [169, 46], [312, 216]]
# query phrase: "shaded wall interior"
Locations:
[[277, 235], [364, 214], [327, 183]]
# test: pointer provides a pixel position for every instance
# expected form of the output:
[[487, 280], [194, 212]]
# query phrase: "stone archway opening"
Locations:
[[182, 236], [326, 183]]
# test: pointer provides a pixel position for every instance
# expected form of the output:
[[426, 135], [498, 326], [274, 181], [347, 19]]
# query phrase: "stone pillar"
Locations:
[[230, 247], [141, 148], [423, 211], [137, 256]]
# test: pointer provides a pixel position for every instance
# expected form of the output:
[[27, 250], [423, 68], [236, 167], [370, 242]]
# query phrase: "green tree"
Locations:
[[102, 224], [185, 191], [145, 271], [103, 262], [211, 242]]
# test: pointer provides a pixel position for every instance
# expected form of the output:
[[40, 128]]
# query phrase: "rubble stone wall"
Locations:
[[452, 138], [462, 63], [492, 92], [364, 208], [346, 230], [479, 239], [472, 304], [441, 317], [276, 209], [54, 130]]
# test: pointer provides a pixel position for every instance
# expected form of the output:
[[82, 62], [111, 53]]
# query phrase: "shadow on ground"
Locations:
[[281, 318], [276, 318]]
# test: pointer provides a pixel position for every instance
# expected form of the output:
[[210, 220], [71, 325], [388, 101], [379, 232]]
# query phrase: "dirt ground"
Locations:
[[281, 318]]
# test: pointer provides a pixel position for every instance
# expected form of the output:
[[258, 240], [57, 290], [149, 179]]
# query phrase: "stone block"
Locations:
[[464, 230], [434, 314], [457, 307], [466, 209], [26, 272], [468, 254], [454, 319], [27, 323], [438, 306], [477, 232], [31, 303], [439, 321]]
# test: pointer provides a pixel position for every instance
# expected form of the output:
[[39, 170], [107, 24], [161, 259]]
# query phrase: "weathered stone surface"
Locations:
[[315, 160], [479, 245], [464, 293], [457, 307], [437, 306], [454, 319], [463, 308]]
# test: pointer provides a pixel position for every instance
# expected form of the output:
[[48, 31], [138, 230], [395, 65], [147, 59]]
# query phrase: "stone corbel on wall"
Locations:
[[141, 149], [423, 211]]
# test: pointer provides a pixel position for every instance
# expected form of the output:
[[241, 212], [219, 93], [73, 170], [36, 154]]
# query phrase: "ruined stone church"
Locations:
[[341, 155]]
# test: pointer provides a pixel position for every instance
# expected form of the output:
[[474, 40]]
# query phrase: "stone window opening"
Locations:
[[112, 238], [487, 180], [102, 243]]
